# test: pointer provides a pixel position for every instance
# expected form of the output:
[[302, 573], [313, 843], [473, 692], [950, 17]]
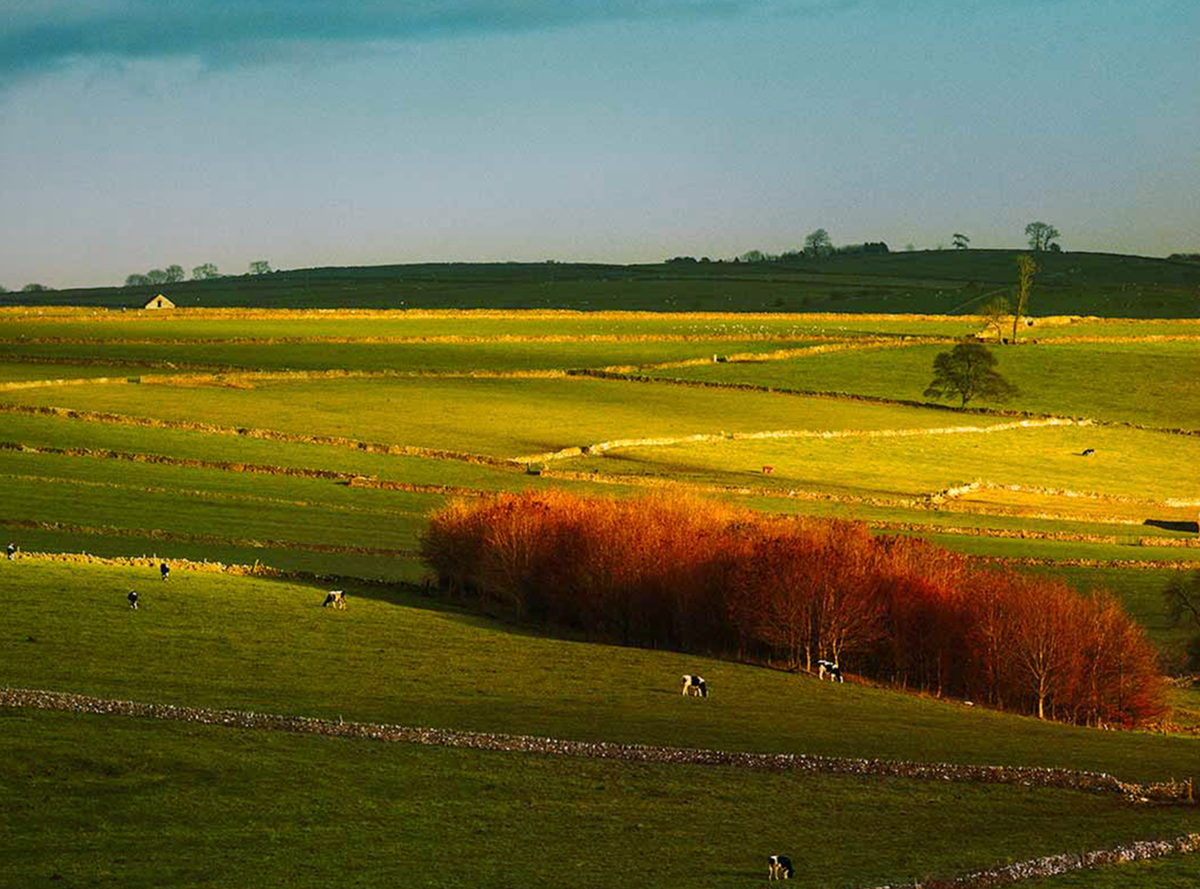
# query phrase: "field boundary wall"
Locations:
[[1052, 865], [1173, 792], [709, 437]]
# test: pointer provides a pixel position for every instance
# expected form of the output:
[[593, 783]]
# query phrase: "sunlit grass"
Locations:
[[490, 416], [1156, 384], [1131, 463]]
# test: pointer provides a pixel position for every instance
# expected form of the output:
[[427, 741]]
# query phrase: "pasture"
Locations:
[[317, 443], [1146, 382], [220, 807], [501, 417], [397, 657]]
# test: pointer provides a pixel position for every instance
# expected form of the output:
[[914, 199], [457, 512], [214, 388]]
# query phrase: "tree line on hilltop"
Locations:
[[174, 274], [1041, 237], [700, 576]]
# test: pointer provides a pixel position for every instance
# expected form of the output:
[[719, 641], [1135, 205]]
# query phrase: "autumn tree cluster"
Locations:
[[699, 576]]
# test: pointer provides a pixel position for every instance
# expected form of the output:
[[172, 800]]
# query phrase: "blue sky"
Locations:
[[140, 133]]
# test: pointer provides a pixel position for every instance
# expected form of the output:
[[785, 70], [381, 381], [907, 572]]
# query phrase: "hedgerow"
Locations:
[[694, 575]]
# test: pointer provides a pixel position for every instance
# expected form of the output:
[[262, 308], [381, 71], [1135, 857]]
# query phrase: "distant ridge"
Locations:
[[927, 282]]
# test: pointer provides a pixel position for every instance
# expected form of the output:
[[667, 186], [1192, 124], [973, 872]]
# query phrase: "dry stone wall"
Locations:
[[1025, 776]]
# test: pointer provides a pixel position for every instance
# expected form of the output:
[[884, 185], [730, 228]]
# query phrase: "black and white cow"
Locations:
[[1089, 452], [11, 551], [133, 600], [779, 867], [336, 598], [830, 669], [694, 685], [164, 570]]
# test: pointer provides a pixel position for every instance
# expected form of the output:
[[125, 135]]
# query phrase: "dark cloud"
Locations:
[[43, 35]]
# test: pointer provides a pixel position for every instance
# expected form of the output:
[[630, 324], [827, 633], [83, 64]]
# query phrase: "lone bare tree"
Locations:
[[995, 315], [260, 267], [1041, 236], [1182, 598], [967, 371], [1026, 269]]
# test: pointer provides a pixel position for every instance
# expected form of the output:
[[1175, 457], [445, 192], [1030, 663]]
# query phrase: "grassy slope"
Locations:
[[18, 373], [1051, 550], [288, 558], [232, 641], [1156, 384], [495, 416], [1132, 463], [105, 800], [1047, 330], [752, 292], [925, 281], [232, 516], [947, 518], [863, 466], [198, 324], [408, 357], [188, 501], [261, 645], [61, 433]]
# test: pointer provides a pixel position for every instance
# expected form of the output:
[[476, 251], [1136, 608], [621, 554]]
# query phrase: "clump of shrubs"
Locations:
[[694, 575]]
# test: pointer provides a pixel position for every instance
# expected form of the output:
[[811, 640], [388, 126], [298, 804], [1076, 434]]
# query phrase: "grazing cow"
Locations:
[[779, 867], [164, 570], [694, 685], [767, 470], [1088, 452], [133, 600], [336, 598], [11, 551], [831, 669]]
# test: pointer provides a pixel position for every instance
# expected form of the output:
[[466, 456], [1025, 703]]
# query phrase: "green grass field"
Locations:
[[501, 417], [237, 806], [221, 326], [136, 804], [215, 640], [405, 358], [1129, 463], [1154, 384]]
